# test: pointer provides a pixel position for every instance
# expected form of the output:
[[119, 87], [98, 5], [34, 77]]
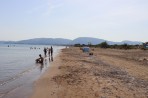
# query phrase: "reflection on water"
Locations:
[[45, 63], [51, 58], [41, 67]]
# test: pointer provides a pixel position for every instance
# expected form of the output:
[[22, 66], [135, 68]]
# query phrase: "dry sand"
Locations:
[[109, 73]]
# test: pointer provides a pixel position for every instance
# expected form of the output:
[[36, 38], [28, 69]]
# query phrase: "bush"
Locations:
[[104, 45]]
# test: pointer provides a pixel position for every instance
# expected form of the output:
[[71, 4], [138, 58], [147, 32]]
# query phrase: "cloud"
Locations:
[[50, 7], [46, 8]]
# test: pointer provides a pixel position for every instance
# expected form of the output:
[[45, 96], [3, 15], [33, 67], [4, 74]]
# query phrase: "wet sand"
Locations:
[[109, 73]]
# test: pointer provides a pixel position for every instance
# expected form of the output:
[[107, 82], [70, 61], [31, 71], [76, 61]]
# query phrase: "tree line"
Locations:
[[115, 46]]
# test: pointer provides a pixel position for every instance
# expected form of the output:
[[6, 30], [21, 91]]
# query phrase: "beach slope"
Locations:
[[109, 73]]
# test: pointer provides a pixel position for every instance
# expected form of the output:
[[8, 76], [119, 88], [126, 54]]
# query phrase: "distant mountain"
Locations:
[[86, 40], [61, 41], [46, 41], [7, 42], [94, 41], [131, 42], [125, 42]]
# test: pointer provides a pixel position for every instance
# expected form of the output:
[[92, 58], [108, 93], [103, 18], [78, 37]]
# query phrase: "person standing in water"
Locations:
[[45, 51], [51, 50]]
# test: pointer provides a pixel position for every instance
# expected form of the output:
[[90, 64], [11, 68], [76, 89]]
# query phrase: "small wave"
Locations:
[[16, 76]]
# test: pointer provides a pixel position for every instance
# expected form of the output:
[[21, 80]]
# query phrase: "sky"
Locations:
[[113, 20]]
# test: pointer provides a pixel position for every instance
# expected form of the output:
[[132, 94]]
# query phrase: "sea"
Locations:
[[18, 69]]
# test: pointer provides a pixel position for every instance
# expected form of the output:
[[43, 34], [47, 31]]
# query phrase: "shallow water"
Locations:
[[18, 69]]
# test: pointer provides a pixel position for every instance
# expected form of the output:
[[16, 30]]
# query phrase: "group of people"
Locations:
[[49, 50], [50, 54]]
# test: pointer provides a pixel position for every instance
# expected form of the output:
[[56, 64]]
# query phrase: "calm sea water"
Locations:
[[18, 69]]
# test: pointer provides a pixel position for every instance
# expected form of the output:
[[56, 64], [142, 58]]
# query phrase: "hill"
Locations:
[[94, 41], [62, 41], [87, 40], [45, 41]]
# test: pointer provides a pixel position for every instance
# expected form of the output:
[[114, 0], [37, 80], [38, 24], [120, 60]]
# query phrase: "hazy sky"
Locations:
[[113, 20]]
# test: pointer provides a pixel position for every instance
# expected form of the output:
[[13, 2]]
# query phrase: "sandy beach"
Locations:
[[108, 73]]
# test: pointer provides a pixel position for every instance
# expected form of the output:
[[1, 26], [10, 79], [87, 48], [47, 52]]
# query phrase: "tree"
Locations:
[[104, 45], [77, 45], [125, 46]]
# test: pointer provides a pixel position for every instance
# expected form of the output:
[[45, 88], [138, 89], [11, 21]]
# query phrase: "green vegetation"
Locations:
[[103, 45], [115, 46]]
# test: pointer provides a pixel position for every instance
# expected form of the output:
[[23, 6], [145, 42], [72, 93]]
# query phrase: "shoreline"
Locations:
[[21, 73], [107, 74], [41, 87]]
